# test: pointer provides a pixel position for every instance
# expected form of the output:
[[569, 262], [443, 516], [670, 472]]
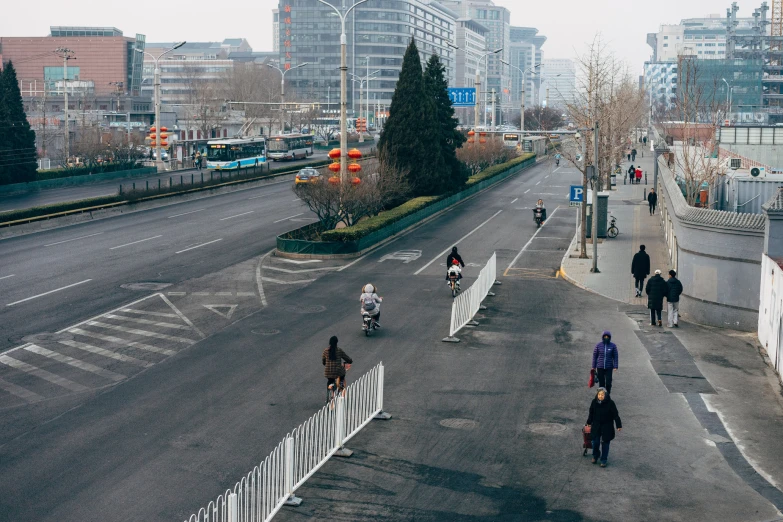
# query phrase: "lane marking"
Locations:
[[144, 333], [6, 277], [289, 217], [144, 312], [197, 246], [135, 242], [227, 314], [182, 316], [76, 363], [74, 239], [295, 200], [457, 243], [49, 292], [530, 241], [119, 341], [287, 271], [538, 182], [296, 261], [246, 294], [261, 196], [546, 176], [146, 321], [242, 214], [178, 293], [106, 353], [186, 213], [20, 392], [528, 190], [42, 374], [259, 285], [279, 282], [224, 294], [515, 200]]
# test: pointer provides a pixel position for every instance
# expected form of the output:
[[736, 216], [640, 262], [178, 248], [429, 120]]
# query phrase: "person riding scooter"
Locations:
[[539, 212], [371, 304]]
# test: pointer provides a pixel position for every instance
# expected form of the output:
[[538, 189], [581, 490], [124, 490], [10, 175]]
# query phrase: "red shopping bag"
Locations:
[[591, 382]]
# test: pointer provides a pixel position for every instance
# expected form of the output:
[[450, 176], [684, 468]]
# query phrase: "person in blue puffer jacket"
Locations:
[[605, 361]]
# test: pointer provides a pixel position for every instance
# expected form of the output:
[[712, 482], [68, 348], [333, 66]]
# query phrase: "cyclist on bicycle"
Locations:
[[557, 159], [334, 369]]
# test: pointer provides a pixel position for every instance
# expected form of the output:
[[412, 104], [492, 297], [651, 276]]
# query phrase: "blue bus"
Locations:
[[236, 153]]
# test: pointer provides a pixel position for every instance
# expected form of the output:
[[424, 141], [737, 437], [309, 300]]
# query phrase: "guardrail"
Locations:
[[466, 304], [271, 484]]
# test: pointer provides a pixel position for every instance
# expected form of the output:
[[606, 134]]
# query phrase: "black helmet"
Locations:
[[454, 250]]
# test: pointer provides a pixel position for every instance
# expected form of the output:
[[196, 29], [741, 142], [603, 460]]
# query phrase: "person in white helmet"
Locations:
[[371, 303]]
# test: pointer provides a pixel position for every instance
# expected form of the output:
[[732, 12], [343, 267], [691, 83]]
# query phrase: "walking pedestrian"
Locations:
[[629, 154], [605, 360], [633, 154], [656, 290], [602, 419], [640, 269], [644, 140], [652, 199], [631, 174], [638, 175], [673, 299]]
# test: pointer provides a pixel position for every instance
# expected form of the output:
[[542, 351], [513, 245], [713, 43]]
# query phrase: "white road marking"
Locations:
[[289, 217], [294, 200], [515, 200], [197, 246], [246, 294], [144, 333], [146, 321], [227, 314], [74, 239], [76, 363], [200, 293], [6, 277], [296, 261], [261, 196], [106, 353], [406, 256], [304, 270], [457, 243], [186, 213], [546, 176], [178, 293], [135, 242], [279, 282], [242, 214], [558, 168], [20, 392], [538, 182], [528, 190], [182, 316], [225, 294], [49, 292], [531, 239], [117, 340], [42, 374], [144, 312]]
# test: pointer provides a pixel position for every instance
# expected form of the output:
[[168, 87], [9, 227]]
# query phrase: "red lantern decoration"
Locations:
[[334, 167], [471, 140], [482, 140], [334, 180], [354, 168], [482, 133], [355, 180], [471, 133], [354, 154], [335, 153], [163, 129], [153, 129]]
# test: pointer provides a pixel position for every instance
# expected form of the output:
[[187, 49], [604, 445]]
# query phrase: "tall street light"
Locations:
[[282, 90], [342, 13], [524, 82], [66, 55], [156, 85], [478, 77], [364, 80], [728, 99]]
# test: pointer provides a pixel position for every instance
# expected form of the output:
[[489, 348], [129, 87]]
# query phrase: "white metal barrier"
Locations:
[[467, 303], [271, 484]]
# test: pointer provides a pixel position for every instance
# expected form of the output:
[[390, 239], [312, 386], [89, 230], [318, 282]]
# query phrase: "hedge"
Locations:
[[496, 169], [380, 221], [42, 175]]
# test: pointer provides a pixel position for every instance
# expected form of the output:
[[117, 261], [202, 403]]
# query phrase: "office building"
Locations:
[[525, 53], [472, 43], [276, 30], [558, 82]]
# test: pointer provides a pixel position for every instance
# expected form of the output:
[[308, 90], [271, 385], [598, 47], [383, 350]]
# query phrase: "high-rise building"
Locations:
[[276, 30], [558, 77], [472, 43], [525, 53]]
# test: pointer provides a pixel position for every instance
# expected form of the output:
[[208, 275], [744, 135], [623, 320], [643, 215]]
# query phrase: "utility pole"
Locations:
[[493, 109], [282, 91], [583, 210], [596, 177], [66, 54]]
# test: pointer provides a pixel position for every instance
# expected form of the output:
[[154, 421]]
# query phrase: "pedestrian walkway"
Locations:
[[717, 371]]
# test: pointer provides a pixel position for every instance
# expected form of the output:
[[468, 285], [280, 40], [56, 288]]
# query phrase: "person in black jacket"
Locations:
[[673, 298], [631, 174], [454, 255], [602, 419], [640, 268], [656, 290], [652, 199]]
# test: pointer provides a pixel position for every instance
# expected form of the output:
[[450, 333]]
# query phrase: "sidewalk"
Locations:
[[723, 375]]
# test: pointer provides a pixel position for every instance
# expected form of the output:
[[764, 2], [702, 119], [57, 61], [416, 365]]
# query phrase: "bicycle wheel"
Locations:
[[612, 232]]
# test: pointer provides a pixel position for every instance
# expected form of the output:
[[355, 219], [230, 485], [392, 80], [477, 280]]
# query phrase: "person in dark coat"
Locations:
[[452, 256], [656, 290], [602, 419], [652, 199], [673, 299], [640, 268], [631, 174], [605, 360], [633, 155]]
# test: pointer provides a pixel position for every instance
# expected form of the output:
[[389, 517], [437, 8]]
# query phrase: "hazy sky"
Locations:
[[567, 24]]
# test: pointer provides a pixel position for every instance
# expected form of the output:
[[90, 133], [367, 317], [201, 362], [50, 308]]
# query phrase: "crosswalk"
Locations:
[[99, 352]]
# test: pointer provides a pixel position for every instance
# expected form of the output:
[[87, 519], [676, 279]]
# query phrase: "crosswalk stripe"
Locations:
[[145, 333], [144, 312], [146, 321], [23, 393], [76, 363], [122, 342], [106, 353], [42, 374]]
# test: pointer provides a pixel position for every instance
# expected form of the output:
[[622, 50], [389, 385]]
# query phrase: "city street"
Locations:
[[147, 403]]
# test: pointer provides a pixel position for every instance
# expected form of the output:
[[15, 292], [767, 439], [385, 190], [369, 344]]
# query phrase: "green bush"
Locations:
[[497, 169], [383, 219], [81, 171], [54, 208]]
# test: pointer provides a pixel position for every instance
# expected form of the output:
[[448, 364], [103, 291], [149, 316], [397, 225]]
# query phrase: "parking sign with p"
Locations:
[[576, 195]]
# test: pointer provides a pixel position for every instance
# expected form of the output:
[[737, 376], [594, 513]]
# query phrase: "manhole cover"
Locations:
[[547, 428], [312, 309], [459, 424], [262, 331], [145, 287], [48, 337]]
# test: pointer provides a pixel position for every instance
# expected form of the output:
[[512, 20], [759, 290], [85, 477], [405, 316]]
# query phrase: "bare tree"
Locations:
[[204, 106], [257, 84], [478, 156]]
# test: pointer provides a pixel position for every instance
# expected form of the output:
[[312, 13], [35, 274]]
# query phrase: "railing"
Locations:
[[466, 304], [271, 484]]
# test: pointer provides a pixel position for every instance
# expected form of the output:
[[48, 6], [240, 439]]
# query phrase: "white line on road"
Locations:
[[289, 217], [279, 282], [261, 196], [457, 242], [106, 353], [295, 200], [198, 246], [515, 200], [76, 363], [147, 321], [6, 277], [144, 312], [42, 374], [531, 239], [294, 261], [538, 182], [242, 214], [74, 239], [287, 271], [23, 393], [139, 241], [528, 190], [186, 213], [118, 341], [145, 333], [546, 176], [49, 292]]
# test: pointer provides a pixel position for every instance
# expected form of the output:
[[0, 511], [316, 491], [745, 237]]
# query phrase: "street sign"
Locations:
[[576, 196], [462, 96]]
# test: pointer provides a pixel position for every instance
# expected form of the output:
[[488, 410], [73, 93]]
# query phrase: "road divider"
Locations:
[[272, 484], [468, 303]]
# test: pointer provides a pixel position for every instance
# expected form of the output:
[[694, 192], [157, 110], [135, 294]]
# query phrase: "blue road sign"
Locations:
[[576, 195], [462, 96]]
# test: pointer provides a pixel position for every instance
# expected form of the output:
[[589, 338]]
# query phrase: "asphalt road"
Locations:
[[107, 188], [164, 433]]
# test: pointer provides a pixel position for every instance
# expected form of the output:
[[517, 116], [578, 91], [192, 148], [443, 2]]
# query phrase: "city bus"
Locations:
[[290, 146], [511, 139], [235, 153]]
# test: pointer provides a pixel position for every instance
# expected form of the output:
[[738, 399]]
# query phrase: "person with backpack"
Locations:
[[631, 174], [656, 290], [371, 303], [673, 298]]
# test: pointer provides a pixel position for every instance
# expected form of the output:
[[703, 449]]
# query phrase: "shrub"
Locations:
[[54, 208], [497, 169], [383, 219]]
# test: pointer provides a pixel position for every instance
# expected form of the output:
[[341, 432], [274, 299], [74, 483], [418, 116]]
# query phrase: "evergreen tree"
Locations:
[[436, 87], [17, 140], [410, 140]]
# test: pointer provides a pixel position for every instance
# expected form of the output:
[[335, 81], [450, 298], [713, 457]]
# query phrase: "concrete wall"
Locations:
[[770, 325], [717, 255], [765, 155]]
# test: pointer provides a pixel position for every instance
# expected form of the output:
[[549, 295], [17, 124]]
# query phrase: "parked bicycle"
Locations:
[[612, 231]]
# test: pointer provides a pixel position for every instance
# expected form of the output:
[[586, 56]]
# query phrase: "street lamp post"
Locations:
[[363, 81], [156, 86], [522, 104], [66, 54], [342, 14], [728, 98], [478, 78], [282, 91]]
